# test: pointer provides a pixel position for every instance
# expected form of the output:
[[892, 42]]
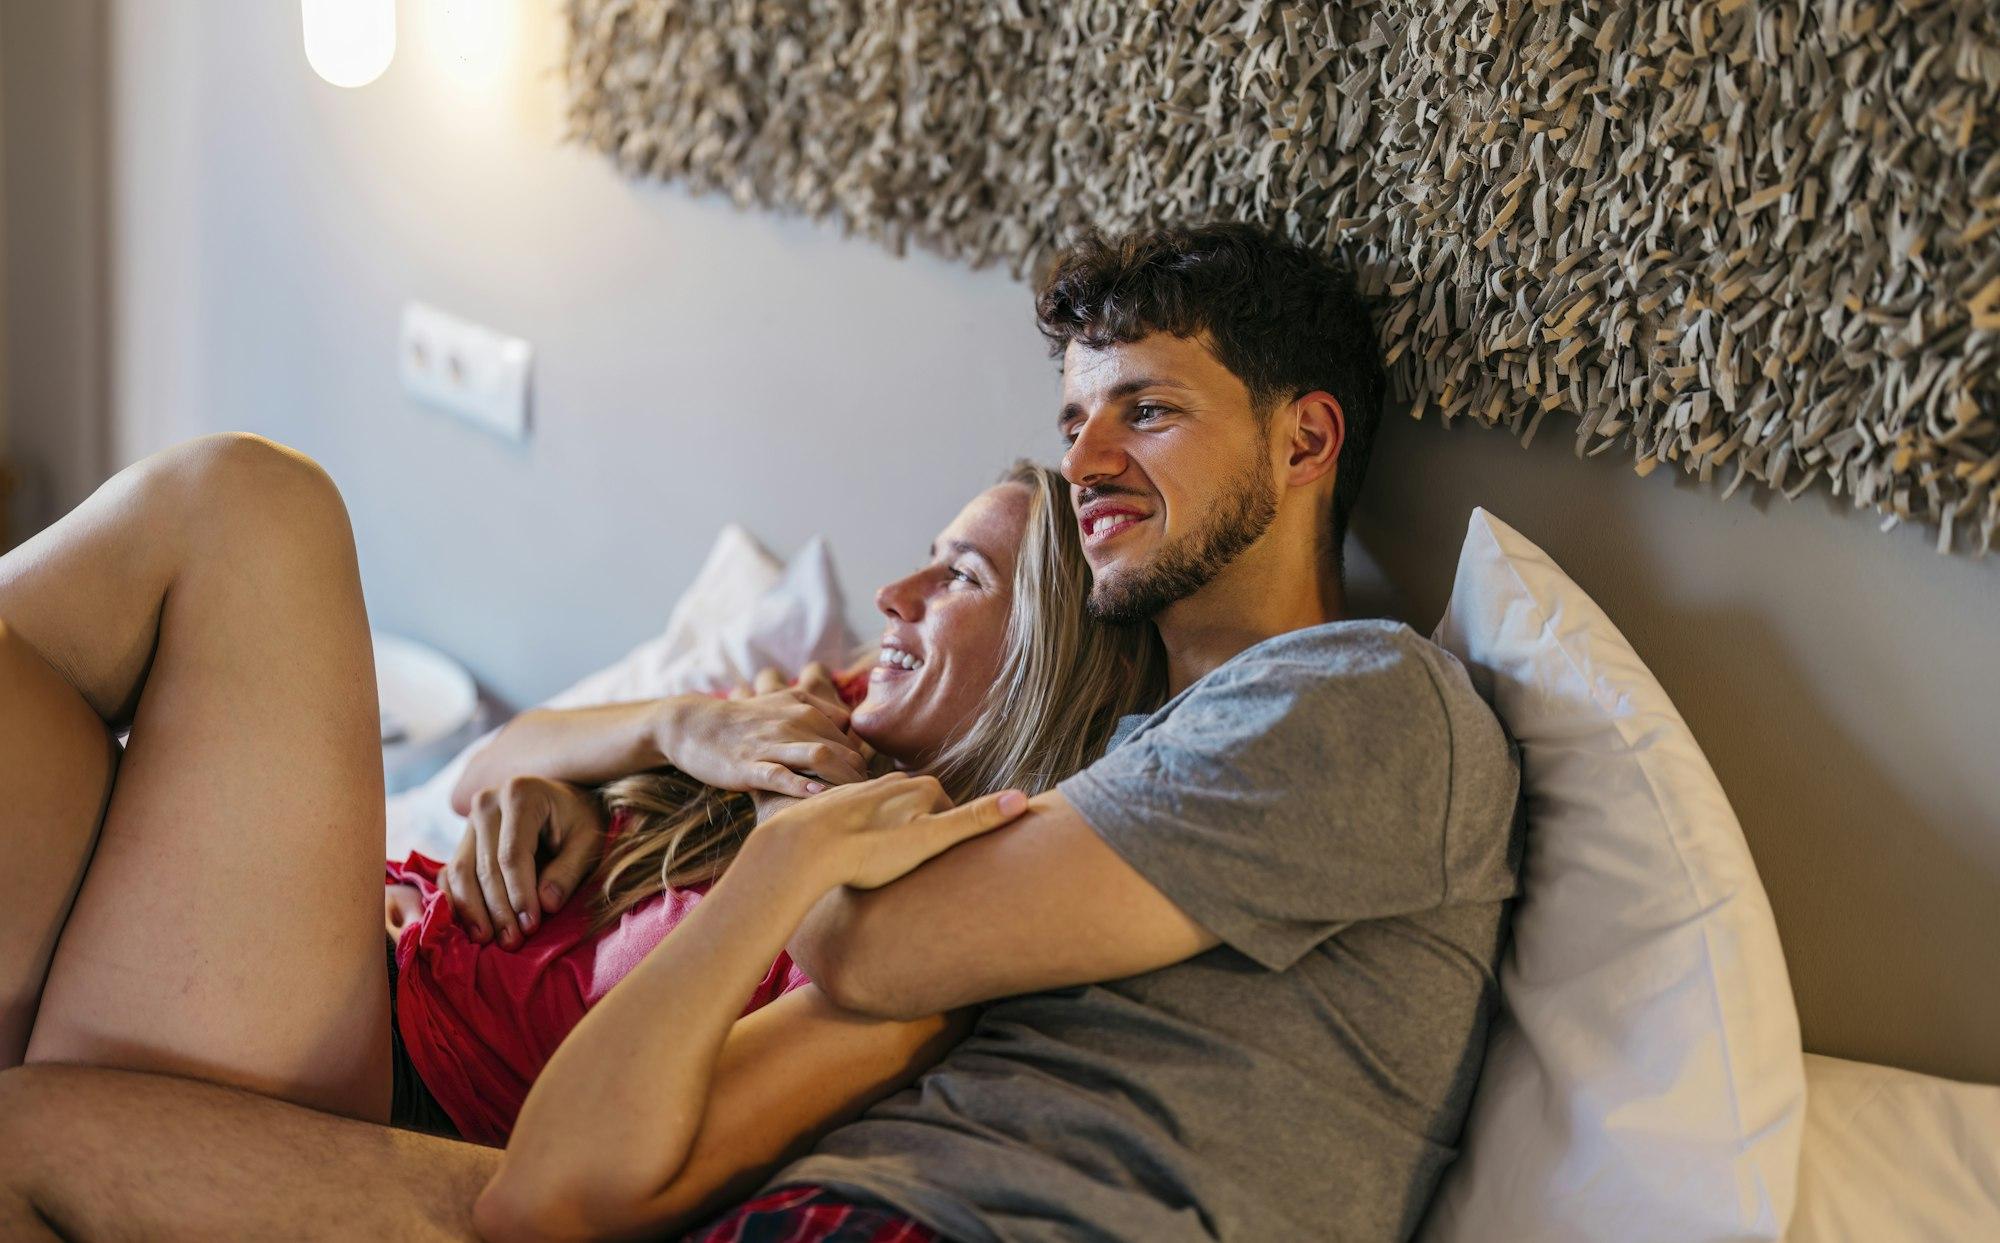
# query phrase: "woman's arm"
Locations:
[[787, 1074], [580, 745], [777, 741], [607, 1137]]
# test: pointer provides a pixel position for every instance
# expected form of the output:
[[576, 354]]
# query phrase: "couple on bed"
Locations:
[[1139, 897]]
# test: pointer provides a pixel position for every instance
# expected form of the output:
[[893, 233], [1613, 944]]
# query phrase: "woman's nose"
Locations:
[[902, 599], [1095, 455]]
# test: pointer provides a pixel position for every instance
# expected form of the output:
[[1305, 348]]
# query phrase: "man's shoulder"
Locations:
[[1371, 679], [1336, 648], [1372, 684], [1348, 664]]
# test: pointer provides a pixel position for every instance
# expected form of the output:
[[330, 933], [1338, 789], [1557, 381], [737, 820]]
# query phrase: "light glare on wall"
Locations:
[[349, 42]]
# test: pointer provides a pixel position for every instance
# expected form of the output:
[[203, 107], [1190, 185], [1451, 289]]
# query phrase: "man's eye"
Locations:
[[1148, 412]]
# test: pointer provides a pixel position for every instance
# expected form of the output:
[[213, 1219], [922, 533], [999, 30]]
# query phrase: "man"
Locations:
[[1240, 969]]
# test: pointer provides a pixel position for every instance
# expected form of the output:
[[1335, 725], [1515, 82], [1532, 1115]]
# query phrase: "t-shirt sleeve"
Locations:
[[1289, 793]]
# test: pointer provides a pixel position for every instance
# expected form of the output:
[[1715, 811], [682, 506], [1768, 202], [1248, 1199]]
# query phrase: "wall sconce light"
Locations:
[[350, 42]]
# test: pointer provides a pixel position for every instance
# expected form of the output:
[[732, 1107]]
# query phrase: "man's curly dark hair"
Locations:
[[1286, 319]]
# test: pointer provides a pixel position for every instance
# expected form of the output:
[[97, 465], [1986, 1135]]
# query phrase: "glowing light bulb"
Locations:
[[350, 42]]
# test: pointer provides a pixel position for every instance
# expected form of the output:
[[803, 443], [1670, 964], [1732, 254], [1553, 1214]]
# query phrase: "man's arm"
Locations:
[[1043, 903]]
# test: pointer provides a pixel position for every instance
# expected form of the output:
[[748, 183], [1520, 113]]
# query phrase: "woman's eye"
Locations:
[[962, 576]]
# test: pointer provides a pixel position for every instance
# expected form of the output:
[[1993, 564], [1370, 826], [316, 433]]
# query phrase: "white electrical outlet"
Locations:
[[475, 373]]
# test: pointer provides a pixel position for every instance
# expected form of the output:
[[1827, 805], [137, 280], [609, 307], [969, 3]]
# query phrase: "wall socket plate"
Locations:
[[469, 370]]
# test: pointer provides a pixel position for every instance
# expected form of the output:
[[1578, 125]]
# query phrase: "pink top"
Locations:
[[480, 1021]]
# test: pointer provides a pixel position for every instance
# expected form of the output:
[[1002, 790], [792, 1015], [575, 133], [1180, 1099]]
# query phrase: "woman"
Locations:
[[493, 969], [219, 578]]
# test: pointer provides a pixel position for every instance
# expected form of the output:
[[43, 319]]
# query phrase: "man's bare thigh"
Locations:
[[120, 1155]]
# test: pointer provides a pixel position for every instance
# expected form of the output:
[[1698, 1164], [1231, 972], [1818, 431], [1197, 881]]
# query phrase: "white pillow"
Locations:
[[745, 610], [1644, 1079], [1892, 1156]]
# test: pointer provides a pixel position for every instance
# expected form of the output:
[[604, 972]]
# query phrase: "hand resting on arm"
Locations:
[[604, 1141]]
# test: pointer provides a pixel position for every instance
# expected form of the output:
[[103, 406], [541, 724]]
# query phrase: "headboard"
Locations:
[[1845, 687]]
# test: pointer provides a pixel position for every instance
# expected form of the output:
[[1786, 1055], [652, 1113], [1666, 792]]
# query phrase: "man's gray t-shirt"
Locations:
[[1338, 806]]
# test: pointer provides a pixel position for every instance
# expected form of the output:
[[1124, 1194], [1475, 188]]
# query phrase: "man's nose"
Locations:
[[902, 599], [1095, 455]]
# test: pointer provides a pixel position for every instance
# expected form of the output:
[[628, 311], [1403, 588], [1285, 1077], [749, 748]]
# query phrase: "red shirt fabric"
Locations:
[[480, 1022]]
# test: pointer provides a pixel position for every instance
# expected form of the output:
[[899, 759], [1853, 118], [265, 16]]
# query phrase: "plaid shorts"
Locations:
[[813, 1215]]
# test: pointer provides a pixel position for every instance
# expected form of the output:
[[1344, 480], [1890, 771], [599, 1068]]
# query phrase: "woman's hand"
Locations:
[[787, 741], [815, 681], [492, 882], [873, 832]]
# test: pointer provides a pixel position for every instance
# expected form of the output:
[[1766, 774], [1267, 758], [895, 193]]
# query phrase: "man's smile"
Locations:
[[1102, 521]]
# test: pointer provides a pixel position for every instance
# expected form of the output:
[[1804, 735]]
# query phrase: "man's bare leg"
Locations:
[[92, 1154]]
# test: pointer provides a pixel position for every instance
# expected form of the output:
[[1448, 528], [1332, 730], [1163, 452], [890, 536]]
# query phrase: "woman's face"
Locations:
[[941, 650]]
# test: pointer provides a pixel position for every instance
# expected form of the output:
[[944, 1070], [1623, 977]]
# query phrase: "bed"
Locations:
[[1646, 1080]]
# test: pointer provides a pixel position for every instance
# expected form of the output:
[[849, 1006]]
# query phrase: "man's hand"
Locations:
[[492, 881]]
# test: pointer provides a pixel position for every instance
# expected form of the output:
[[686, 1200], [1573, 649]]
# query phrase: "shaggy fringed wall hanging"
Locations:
[[1748, 236]]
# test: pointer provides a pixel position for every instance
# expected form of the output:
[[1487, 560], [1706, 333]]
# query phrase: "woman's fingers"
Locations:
[[981, 815], [827, 706], [461, 887], [895, 850], [492, 885], [834, 763], [768, 679], [776, 778], [818, 718], [815, 681], [523, 816], [942, 830], [567, 871]]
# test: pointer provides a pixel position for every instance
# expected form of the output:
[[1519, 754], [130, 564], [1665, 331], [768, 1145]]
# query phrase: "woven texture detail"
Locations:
[[1753, 238]]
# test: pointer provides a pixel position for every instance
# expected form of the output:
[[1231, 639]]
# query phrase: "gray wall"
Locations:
[[695, 364], [699, 364]]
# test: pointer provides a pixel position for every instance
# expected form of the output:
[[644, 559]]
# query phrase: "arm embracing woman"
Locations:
[[619, 1135]]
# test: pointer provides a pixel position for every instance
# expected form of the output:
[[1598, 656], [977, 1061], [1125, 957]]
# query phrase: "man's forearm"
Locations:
[[579, 745]]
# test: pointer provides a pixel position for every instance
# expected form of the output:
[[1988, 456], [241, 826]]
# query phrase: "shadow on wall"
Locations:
[[1840, 683], [1871, 896]]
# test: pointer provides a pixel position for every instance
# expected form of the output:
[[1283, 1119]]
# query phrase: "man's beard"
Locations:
[[1242, 515]]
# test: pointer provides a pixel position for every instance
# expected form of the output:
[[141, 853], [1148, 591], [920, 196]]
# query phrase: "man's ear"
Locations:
[[1318, 429]]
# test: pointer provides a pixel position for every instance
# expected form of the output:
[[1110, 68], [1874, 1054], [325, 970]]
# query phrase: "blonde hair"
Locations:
[[1064, 681]]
